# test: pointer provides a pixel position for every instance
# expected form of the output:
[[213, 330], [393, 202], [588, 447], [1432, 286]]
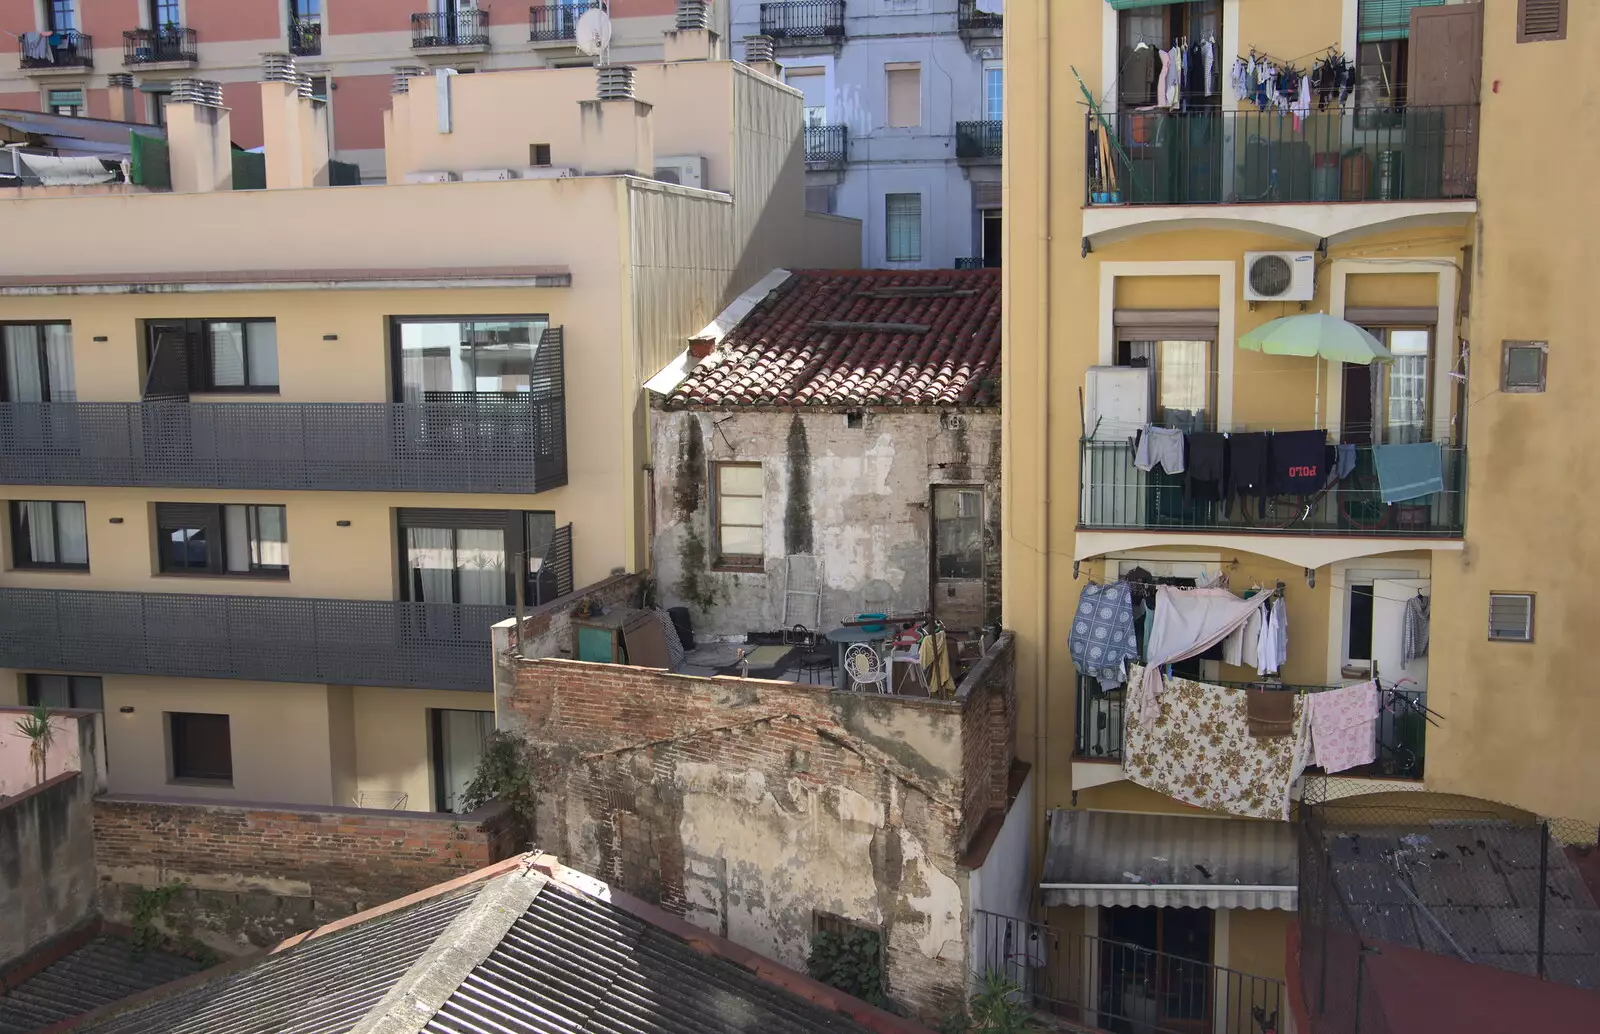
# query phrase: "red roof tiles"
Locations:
[[779, 356]]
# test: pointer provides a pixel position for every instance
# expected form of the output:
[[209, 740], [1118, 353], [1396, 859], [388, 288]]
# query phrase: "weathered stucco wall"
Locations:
[[47, 876], [858, 497], [749, 806]]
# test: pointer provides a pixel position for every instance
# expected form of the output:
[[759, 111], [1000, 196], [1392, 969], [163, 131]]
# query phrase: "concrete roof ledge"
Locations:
[[1307, 223]]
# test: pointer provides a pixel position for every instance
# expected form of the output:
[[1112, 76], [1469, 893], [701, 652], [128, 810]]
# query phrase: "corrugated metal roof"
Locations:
[[1179, 861], [103, 971]]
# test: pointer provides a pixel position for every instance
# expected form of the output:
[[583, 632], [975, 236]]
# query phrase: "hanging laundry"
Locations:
[[1299, 462], [1249, 464], [1159, 446], [1200, 751], [36, 47], [1414, 632], [1188, 622], [1272, 645], [1409, 471], [1205, 474], [1102, 639], [1269, 712], [1344, 463], [1343, 726]]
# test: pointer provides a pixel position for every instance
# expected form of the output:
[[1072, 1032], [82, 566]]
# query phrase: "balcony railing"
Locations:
[[270, 638], [467, 27], [977, 262], [803, 21], [1106, 984], [976, 141], [156, 46], [1215, 157], [68, 49], [1402, 726], [305, 36], [557, 20], [1117, 496], [970, 20], [827, 147]]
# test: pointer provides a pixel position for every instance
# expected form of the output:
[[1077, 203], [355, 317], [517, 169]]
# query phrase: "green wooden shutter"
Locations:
[[1388, 19], [1128, 5]]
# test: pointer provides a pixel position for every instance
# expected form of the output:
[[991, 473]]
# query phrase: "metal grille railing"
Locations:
[[554, 578], [557, 20], [467, 27], [1401, 728], [1114, 494], [827, 146], [969, 18], [448, 442], [271, 638], [1114, 985], [66, 49], [153, 46], [1342, 154], [305, 36], [803, 20], [978, 139]]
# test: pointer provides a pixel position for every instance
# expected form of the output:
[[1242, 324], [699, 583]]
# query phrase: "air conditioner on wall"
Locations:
[[686, 171], [488, 175], [431, 177], [1280, 276]]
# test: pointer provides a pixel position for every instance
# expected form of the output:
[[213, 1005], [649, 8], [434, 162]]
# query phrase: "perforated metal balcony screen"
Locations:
[[269, 638], [450, 442], [1128, 5]]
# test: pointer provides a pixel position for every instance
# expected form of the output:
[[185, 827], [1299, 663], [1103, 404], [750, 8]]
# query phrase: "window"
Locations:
[[186, 356], [1358, 624], [1383, 52], [62, 15], [305, 10], [994, 92], [228, 539], [904, 88], [83, 692], [472, 556], [903, 227], [164, 13], [539, 155], [200, 748], [49, 534], [319, 87], [958, 531], [1541, 20], [740, 504], [1157, 25], [1511, 617], [155, 106], [458, 739], [37, 364], [812, 82], [1522, 365], [1400, 395], [435, 359], [65, 102], [1184, 385]]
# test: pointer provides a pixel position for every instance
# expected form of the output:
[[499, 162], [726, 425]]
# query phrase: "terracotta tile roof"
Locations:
[[920, 338]]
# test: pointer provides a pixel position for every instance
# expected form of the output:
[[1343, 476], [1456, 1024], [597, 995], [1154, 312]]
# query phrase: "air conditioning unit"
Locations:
[[546, 172], [688, 171], [431, 177], [1280, 276], [488, 175]]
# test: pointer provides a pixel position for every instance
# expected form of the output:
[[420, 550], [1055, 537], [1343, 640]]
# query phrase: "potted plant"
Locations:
[[35, 725]]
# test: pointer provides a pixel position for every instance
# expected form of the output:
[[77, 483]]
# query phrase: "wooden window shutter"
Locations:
[[1541, 20], [904, 88]]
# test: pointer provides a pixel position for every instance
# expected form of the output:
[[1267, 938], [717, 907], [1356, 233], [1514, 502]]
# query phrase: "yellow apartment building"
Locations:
[[1430, 186], [275, 460]]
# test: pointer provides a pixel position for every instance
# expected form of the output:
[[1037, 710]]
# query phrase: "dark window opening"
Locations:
[[458, 738], [1157, 29], [201, 747], [474, 556], [37, 363], [235, 356], [539, 154], [958, 532], [223, 539], [83, 692], [49, 535], [1360, 625], [63, 15]]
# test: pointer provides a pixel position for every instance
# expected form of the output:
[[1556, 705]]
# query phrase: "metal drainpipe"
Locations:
[[1041, 754]]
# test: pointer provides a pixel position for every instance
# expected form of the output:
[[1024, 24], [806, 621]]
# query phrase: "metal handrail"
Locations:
[[466, 27], [983, 139], [68, 48], [827, 146], [305, 36], [803, 19], [557, 20], [155, 46]]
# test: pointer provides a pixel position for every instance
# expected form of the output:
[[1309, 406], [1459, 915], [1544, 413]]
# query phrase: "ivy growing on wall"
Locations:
[[851, 961]]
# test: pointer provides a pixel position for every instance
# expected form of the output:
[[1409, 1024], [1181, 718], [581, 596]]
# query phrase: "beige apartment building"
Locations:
[[76, 56], [274, 461]]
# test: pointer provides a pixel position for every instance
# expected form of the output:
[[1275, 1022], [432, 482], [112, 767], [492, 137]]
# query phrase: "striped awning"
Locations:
[[1173, 861]]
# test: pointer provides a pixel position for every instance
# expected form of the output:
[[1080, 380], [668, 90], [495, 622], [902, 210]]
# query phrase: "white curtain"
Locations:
[[24, 379], [262, 355], [58, 361], [40, 521], [430, 552], [73, 533], [270, 546], [236, 536], [227, 355], [481, 561]]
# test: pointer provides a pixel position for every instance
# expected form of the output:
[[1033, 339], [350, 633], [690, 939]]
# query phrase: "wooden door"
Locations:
[[1444, 81]]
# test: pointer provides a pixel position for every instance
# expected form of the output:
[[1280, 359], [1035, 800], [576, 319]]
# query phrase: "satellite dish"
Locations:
[[593, 32]]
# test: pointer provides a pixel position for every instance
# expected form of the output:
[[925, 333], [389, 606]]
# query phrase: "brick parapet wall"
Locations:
[[257, 872], [988, 735], [547, 629]]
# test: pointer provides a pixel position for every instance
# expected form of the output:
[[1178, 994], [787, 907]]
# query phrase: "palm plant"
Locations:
[[35, 725]]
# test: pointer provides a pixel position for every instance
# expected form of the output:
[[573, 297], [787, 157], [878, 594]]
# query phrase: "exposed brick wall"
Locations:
[[988, 735], [256, 873], [744, 805], [547, 629]]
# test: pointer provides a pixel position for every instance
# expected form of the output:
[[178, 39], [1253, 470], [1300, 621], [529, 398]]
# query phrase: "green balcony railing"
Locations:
[[1402, 725], [1210, 157], [979, 141], [1114, 495]]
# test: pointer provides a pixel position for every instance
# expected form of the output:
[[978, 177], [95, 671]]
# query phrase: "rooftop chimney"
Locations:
[[616, 133], [198, 138], [121, 84], [294, 126], [693, 39], [758, 55]]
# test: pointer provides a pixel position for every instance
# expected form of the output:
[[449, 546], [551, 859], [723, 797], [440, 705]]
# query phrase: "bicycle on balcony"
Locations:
[[1356, 495]]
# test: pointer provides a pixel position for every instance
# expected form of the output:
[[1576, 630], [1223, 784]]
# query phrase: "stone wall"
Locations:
[[752, 807], [47, 875], [256, 873], [853, 489]]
